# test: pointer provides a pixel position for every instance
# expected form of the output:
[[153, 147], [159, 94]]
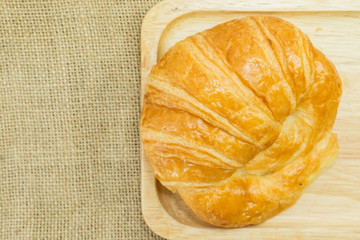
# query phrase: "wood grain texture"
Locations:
[[330, 207]]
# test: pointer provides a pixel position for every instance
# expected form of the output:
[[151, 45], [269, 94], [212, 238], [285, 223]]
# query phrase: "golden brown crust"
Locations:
[[238, 119]]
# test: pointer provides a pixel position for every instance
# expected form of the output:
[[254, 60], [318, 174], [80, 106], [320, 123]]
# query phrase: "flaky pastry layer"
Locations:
[[237, 119]]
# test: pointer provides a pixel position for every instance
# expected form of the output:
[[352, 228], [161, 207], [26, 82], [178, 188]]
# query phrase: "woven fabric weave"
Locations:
[[69, 112]]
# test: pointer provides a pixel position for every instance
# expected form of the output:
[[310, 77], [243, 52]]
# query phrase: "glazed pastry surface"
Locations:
[[237, 119]]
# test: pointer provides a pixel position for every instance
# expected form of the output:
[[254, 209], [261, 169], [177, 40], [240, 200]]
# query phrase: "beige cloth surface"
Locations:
[[69, 109]]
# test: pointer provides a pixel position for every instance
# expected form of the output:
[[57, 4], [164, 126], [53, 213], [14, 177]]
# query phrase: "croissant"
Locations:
[[237, 119]]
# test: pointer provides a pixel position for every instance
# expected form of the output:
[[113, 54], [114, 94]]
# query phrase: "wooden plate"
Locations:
[[330, 207]]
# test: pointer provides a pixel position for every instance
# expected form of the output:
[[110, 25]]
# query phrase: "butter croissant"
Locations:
[[237, 119]]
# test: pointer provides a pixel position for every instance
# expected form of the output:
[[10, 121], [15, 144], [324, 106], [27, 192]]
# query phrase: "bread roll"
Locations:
[[237, 119]]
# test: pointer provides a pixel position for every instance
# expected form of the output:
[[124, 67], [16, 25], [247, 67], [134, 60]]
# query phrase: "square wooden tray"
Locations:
[[330, 207]]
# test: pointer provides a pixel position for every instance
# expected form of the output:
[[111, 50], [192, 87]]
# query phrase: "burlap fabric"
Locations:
[[69, 110]]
